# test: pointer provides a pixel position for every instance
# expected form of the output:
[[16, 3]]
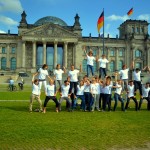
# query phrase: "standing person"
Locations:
[[107, 94], [130, 91], [101, 97], [90, 62], [58, 75], [87, 94], [11, 84], [146, 96], [42, 74], [73, 74], [65, 95], [102, 64], [50, 94], [21, 82], [80, 95], [35, 94], [117, 95]]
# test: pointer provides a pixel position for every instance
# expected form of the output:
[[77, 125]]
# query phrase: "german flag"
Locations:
[[130, 12], [100, 21]]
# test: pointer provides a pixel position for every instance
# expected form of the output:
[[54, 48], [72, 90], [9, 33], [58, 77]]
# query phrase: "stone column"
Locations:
[[116, 58], [44, 52], [148, 57], [65, 54], [23, 54], [133, 55], [34, 55], [8, 56], [55, 54], [75, 54]]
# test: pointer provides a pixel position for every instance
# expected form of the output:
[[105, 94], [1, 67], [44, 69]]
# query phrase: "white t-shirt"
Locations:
[[87, 88], [90, 60], [50, 90], [137, 76], [80, 90], [65, 90], [73, 75], [93, 88], [118, 89], [124, 73], [35, 89], [42, 74], [58, 74], [98, 87], [145, 91], [131, 90], [103, 62], [107, 89]]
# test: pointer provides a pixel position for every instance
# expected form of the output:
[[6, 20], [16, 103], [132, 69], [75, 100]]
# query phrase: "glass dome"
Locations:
[[50, 19]]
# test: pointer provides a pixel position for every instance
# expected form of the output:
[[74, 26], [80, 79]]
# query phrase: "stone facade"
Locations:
[[18, 52]]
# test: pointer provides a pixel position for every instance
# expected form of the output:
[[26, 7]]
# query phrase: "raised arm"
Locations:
[[132, 65], [33, 76], [85, 51], [64, 69], [145, 68]]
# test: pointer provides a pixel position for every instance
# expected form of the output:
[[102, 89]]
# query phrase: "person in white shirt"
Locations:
[[35, 94], [146, 96], [124, 76], [65, 95], [42, 74], [102, 64], [117, 95], [50, 94], [90, 62], [58, 75], [107, 94], [130, 91], [11, 84], [73, 74], [80, 95]]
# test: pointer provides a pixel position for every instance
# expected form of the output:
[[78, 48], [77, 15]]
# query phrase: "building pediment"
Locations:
[[49, 30]]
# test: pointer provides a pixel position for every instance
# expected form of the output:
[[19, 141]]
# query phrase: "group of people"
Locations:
[[94, 93]]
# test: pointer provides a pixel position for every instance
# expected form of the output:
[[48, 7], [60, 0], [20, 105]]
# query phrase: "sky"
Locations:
[[115, 13]]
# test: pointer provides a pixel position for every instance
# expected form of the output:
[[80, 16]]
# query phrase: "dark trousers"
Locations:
[[20, 85], [148, 102], [106, 101], [135, 101], [52, 98], [88, 99], [102, 71], [73, 85], [138, 85], [118, 97], [101, 97]]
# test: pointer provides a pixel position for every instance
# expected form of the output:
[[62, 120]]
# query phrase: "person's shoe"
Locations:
[[57, 110]]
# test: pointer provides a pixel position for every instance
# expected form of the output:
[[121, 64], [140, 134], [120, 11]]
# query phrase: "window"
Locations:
[[112, 66], [137, 30], [84, 65], [120, 64], [112, 53], [94, 52], [138, 53], [138, 65], [142, 29], [121, 53], [13, 63], [39, 58], [3, 63], [3, 50], [60, 55], [133, 30], [13, 50]]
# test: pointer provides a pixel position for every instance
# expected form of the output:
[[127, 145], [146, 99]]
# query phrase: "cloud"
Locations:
[[1, 31], [8, 21], [144, 17], [107, 26], [11, 6], [116, 18]]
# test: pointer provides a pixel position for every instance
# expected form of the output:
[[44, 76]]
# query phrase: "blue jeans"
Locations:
[[89, 67], [82, 97], [102, 72], [118, 97]]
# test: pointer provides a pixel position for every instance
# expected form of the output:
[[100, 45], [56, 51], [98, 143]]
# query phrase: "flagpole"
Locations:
[[103, 32]]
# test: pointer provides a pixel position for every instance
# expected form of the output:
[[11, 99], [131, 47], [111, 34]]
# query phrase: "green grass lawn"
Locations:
[[21, 130]]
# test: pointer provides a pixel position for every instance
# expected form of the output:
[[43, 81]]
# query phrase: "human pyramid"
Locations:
[[94, 93]]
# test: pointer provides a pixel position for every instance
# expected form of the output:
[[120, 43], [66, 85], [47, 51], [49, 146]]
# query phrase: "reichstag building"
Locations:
[[50, 40]]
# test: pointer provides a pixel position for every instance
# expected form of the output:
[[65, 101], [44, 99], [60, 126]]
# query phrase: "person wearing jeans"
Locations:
[[90, 62], [117, 95]]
